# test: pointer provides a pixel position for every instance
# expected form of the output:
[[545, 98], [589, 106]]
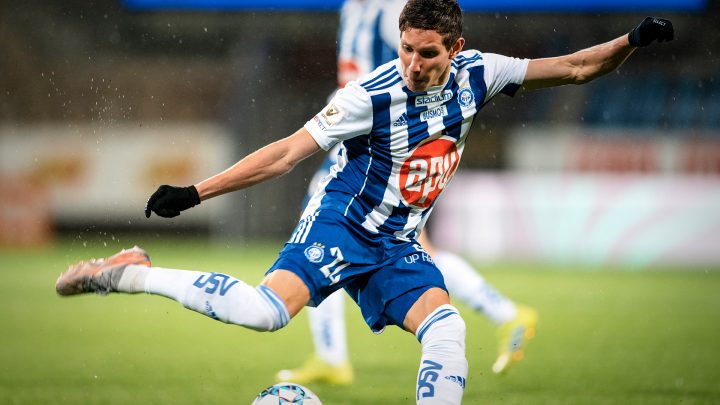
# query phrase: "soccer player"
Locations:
[[330, 361], [403, 128], [368, 37]]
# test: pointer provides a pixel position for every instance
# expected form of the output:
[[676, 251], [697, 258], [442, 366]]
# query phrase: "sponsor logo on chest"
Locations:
[[435, 104], [436, 112], [426, 172], [429, 100]]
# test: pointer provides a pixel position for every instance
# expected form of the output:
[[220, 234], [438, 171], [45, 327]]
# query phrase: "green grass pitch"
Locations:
[[606, 336]]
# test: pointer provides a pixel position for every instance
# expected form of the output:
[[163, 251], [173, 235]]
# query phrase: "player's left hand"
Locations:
[[168, 201], [651, 29]]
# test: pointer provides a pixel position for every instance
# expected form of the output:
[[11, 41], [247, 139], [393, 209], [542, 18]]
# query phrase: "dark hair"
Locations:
[[441, 16]]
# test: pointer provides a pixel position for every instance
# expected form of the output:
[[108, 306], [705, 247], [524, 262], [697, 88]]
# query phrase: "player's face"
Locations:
[[425, 60]]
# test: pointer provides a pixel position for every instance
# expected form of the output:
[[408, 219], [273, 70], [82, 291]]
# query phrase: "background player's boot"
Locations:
[[514, 336], [317, 370], [99, 275]]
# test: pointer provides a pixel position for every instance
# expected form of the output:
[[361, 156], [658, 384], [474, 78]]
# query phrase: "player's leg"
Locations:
[[222, 297], [327, 323], [467, 285], [329, 363], [516, 323], [440, 329], [410, 292]]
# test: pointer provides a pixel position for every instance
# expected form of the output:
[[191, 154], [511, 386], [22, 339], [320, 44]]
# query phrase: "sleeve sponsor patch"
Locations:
[[332, 114]]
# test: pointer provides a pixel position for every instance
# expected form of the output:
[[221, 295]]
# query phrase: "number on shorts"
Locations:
[[332, 269]]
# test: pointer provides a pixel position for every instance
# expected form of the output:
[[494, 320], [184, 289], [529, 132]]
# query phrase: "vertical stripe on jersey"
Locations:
[[379, 177], [303, 229], [423, 219], [397, 220], [478, 85], [453, 121], [360, 159], [417, 130], [381, 53]]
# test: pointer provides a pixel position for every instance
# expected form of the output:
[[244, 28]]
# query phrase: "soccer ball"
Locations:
[[286, 393]]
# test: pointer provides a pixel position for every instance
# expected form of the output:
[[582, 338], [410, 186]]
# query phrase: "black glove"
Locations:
[[168, 201], [650, 29]]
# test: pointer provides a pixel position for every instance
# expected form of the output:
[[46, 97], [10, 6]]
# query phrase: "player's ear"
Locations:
[[457, 47]]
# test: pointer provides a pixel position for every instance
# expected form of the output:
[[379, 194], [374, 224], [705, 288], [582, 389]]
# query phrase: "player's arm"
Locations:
[[588, 64], [266, 163]]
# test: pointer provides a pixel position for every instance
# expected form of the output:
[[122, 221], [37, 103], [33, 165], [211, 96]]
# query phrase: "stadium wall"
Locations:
[[591, 197], [261, 75], [101, 177]]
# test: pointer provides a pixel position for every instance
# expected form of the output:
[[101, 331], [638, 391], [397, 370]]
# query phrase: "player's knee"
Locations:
[[267, 313]]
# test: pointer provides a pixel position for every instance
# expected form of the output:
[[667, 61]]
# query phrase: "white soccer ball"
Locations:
[[286, 393]]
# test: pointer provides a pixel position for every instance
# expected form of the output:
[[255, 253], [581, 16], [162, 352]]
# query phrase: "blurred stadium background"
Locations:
[[100, 102]]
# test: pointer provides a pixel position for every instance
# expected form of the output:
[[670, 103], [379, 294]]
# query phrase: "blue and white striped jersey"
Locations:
[[400, 148], [368, 36]]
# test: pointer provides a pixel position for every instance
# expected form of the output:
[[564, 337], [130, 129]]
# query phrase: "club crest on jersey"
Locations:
[[466, 97], [427, 171], [315, 252]]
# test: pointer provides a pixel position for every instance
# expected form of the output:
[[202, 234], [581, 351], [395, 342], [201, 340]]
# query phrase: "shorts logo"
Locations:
[[427, 171], [466, 97], [315, 253]]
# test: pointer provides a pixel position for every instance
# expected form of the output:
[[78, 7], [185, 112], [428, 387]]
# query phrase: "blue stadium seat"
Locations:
[[605, 104], [684, 105], [649, 95], [710, 105]]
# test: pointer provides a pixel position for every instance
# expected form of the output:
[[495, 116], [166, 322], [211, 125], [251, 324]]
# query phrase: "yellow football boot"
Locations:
[[514, 336], [317, 370]]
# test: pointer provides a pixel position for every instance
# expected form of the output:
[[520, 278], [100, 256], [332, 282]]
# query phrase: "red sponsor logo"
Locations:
[[425, 173]]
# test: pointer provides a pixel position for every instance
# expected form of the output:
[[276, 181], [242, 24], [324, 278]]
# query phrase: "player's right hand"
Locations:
[[168, 201], [651, 29]]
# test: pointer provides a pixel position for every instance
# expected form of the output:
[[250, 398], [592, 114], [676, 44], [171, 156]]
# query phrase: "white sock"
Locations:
[[327, 324], [467, 285], [133, 279], [216, 295], [443, 367]]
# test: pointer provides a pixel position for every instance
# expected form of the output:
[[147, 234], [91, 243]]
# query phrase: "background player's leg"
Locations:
[[327, 323], [516, 323], [330, 362], [467, 285]]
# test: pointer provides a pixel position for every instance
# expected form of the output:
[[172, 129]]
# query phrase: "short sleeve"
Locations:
[[503, 74], [349, 114]]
